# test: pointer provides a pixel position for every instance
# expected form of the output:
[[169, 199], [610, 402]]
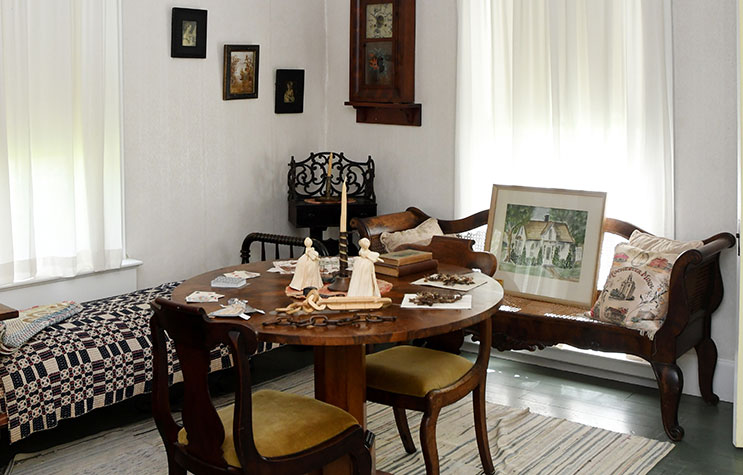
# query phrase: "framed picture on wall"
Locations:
[[188, 34], [289, 91], [240, 72], [547, 242]]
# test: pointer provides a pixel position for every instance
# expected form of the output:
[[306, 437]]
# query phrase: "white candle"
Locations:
[[343, 207], [330, 165]]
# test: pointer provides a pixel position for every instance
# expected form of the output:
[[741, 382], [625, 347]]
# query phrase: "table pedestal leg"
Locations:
[[340, 380]]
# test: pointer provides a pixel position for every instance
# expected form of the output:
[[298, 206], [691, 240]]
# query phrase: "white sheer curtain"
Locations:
[[60, 143], [567, 94]]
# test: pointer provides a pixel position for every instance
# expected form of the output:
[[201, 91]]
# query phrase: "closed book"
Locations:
[[400, 271], [406, 256]]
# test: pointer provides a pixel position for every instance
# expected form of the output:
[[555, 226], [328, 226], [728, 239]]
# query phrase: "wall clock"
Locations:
[[382, 62]]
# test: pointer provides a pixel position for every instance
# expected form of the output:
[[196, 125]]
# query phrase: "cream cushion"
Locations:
[[648, 242], [283, 424], [420, 234], [412, 370]]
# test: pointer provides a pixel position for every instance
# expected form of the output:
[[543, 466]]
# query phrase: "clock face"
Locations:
[[379, 20]]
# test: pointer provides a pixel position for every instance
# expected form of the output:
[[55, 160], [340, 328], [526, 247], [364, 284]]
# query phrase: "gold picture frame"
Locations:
[[547, 242], [240, 72]]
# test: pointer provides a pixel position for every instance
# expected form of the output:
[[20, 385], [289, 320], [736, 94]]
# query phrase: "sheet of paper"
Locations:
[[242, 274], [465, 303], [478, 277], [200, 296]]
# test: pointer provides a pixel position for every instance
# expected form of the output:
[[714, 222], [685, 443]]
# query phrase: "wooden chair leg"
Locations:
[[481, 429], [707, 361], [428, 441], [362, 463], [402, 427], [173, 467], [670, 383]]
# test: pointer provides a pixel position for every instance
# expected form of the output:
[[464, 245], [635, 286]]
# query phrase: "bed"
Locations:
[[94, 359]]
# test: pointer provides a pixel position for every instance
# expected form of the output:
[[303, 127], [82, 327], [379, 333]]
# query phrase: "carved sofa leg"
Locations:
[[707, 361], [670, 383]]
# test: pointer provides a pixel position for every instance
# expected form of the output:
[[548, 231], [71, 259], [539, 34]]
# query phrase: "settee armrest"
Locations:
[[455, 226], [695, 288]]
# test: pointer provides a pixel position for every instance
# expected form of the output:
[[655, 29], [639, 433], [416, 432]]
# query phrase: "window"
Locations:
[[567, 94], [60, 138]]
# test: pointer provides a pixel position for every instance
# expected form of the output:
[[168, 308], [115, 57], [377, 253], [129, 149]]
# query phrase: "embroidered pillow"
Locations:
[[420, 234], [648, 242], [636, 291]]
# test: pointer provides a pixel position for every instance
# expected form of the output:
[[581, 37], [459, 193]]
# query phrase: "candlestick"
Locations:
[[344, 205], [327, 177]]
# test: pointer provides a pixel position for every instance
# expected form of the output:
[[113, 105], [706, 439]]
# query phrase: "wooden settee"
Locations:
[[695, 293]]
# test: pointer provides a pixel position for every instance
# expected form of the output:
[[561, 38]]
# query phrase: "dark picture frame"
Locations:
[[188, 33], [289, 91], [240, 72]]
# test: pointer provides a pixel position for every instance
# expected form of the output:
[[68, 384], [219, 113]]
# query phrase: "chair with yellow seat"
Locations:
[[266, 432], [427, 379]]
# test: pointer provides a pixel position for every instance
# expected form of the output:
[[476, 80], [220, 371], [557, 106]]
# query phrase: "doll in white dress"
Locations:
[[363, 279], [307, 272]]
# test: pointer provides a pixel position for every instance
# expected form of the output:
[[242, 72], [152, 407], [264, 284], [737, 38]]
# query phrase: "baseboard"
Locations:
[[600, 365]]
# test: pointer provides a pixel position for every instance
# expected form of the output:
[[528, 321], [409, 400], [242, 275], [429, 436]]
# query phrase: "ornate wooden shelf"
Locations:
[[387, 113]]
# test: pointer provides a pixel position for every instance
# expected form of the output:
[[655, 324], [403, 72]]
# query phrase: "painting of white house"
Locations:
[[543, 242]]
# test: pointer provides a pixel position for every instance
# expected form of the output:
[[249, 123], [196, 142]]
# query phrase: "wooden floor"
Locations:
[[706, 448]]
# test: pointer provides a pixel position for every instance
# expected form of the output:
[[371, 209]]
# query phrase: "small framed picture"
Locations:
[[547, 242], [240, 72], [188, 38], [289, 91]]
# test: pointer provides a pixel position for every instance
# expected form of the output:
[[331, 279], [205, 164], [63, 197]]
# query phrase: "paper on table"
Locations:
[[233, 310], [465, 303], [328, 265], [199, 296], [242, 274], [478, 277]]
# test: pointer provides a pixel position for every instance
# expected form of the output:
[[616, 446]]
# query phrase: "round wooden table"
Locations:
[[340, 364]]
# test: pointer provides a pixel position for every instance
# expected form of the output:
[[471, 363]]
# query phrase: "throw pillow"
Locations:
[[648, 242], [420, 234], [636, 291]]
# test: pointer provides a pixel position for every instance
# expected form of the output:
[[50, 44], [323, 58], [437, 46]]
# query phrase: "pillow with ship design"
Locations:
[[636, 291]]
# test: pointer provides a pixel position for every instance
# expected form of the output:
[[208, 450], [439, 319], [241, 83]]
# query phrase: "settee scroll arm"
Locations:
[[679, 298], [453, 226]]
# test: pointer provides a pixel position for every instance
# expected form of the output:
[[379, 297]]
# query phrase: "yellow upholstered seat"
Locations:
[[283, 424], [412, 370]]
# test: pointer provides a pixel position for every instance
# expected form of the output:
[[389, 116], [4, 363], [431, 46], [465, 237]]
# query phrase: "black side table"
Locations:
[[314, 201]]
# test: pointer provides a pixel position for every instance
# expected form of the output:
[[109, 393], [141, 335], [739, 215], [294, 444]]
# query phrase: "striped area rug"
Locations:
[[521, 442]]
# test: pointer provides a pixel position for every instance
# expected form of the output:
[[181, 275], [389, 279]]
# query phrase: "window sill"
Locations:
[[125, 264], [80, 288]]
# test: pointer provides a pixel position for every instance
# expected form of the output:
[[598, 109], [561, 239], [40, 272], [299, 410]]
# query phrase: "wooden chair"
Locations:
[[267, 432], [278, 240], [428, 379]]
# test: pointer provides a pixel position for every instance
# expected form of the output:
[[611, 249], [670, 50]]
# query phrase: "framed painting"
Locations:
[[188, 33], [240, 72], [547, 242], [289, 91]]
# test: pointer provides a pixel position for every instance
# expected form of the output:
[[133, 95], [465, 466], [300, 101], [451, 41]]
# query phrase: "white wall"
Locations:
[[201, 172], [705, 150]]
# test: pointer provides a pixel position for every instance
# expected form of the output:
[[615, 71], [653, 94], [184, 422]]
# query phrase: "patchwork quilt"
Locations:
[[96, 358]]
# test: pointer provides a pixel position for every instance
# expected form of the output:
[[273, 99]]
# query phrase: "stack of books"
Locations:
[[401, 263]]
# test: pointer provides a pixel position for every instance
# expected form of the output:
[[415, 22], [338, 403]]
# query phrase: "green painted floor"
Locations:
[[706, 448]]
